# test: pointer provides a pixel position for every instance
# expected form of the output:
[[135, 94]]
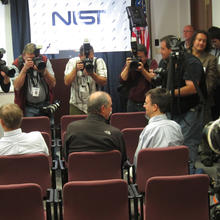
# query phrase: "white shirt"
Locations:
[[160, 132], [83, 85], [17, 142]]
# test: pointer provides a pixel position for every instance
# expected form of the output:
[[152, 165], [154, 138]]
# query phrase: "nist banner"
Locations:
[[63, 25]]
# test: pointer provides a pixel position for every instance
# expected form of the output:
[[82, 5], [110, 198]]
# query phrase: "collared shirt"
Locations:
[[160, 132], [17, 142], [83, 85]]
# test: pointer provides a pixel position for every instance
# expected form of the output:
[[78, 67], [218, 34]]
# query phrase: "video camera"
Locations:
[[88, 63], [50, 109], [135, 59], [160, 78], [177, 47], [9, 71]]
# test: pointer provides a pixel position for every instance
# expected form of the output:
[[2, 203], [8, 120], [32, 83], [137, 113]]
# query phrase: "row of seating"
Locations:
[[173, 197], [98, 176]]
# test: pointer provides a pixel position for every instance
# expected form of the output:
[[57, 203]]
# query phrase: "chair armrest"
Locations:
[[138, 199], [49, 201], [64, 172]]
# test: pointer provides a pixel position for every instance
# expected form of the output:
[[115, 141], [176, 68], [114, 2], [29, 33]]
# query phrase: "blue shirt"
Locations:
[[160, 132]]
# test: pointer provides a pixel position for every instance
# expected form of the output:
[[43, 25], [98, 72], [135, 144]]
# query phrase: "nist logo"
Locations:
[[88, 17]]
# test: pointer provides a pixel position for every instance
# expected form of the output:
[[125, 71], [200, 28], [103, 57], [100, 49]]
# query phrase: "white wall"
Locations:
[[215, 13], [168, 17]]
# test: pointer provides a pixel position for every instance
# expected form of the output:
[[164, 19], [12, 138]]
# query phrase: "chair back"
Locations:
[[28, 168], [177, 197], [167, 161], [38, 123], [94, 165], [66, 119], [21, 202], [131, 137], [122, 120], [104, 199]]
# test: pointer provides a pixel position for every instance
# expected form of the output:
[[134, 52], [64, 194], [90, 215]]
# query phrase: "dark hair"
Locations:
[[208, 40], [214, 32], [167, 40], [11, 115], [142, 48], [96, 101], [160, 97], [81, 50]]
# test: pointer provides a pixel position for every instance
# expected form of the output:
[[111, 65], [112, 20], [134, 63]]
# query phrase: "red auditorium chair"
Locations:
[[39, 123], [177, 197], [22, 202], [166, 161], [122, 120], [47, 139], [104, 199], [27, 168], [131, 137], [85, 166]]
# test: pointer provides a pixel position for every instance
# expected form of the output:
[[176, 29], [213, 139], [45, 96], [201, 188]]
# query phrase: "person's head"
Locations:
[[188, 31], [82, 54], [200, 42], [100, 103], [10, 117], [215, 36], [29, 51], [142, 53], [157, 102], [165, 46]]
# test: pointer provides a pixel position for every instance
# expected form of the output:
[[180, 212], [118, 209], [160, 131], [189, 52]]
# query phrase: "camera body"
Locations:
[[40, 64], [87, 62], [160, 78], [9, 71], [135, 59]]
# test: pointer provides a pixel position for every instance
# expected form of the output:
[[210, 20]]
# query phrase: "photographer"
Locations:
[[186, 109], [5, 82], [137, 80], [34, 81], [83, 73]]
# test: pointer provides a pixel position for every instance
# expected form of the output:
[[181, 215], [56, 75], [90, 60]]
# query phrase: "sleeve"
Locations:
[[70, 65], [101, 68], [49, 67], [211, 74]]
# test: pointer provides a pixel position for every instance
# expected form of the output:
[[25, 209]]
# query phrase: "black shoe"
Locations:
[[207, 162]]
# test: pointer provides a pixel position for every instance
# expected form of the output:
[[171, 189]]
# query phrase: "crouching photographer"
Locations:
[[136, 77], [5, 73], [185, 77], [34, 81]]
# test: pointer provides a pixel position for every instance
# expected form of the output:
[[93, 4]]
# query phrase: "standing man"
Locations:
[[83, 73], [34, 81], [137, 79], [188, 32], [93, 133], [186, 103], [160, 131]]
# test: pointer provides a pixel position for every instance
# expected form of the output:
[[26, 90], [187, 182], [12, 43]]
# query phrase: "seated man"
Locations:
[[93, 133], [15, 141], [160, 131]]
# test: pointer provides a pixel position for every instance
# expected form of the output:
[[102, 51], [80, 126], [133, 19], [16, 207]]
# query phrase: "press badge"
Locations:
[[35, 91]]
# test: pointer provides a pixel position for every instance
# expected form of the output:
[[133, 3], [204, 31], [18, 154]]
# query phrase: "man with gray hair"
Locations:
[[93, 133], [14, 141]]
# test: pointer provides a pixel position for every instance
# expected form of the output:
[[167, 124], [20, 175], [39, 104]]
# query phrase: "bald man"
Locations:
[[93, 133], [188, 32]]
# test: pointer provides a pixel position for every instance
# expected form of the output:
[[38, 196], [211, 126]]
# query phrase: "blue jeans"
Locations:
[[135, 107], [191, 124]]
